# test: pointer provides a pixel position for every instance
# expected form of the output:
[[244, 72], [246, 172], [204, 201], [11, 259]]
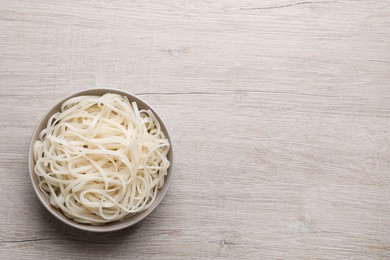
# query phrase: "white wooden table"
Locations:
[[279, 112]]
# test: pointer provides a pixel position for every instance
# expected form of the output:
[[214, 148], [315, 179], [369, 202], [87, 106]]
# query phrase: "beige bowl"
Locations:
[[116, 225]]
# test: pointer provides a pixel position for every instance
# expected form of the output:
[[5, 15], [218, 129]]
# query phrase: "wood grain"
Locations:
[[279, 112]]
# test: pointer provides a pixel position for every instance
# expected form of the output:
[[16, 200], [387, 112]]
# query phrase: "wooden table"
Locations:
[[279, 112]]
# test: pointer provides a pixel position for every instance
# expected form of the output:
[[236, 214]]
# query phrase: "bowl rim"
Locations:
[[115, 225]]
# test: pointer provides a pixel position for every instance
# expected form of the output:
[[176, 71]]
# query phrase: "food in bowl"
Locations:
[[101, 159]]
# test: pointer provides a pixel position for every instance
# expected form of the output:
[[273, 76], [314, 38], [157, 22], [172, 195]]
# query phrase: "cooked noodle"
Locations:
[[101, 159]]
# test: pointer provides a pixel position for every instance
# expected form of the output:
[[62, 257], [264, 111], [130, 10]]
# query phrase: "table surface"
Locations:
[[279, 113]]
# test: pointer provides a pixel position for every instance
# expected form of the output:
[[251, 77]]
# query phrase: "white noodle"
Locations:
[[101, 159]]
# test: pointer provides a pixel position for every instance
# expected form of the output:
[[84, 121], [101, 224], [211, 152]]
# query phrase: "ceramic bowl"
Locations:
[[112, 226]]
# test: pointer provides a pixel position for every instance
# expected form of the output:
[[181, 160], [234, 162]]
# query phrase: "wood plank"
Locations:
[[279, 113]]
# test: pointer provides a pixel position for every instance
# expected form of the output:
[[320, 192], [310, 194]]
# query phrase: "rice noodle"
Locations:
[[101, 159]]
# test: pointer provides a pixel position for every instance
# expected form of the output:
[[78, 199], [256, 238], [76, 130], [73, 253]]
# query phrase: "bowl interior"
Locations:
[[116, 225]]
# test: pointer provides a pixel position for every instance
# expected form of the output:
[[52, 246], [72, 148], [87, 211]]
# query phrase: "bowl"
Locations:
[[111, 226]]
